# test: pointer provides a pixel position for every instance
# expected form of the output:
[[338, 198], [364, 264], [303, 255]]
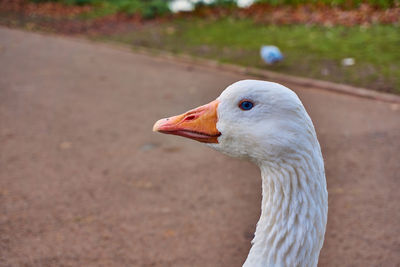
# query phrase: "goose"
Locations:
[[267, 124]]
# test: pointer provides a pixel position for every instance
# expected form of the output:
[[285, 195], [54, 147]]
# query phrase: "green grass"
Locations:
[[147, 8], [310, 51]]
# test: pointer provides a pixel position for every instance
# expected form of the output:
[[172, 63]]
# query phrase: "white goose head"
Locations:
[[266, 123]]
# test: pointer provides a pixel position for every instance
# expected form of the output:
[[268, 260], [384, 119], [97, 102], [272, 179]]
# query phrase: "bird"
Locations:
[[267, 124]]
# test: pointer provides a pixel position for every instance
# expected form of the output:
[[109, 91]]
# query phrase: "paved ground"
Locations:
[[84, 181]]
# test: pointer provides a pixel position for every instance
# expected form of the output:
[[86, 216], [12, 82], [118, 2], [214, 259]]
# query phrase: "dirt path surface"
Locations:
[[84, 181]]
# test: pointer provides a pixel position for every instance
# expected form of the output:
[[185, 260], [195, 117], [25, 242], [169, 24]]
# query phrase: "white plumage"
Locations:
[[277, 134]]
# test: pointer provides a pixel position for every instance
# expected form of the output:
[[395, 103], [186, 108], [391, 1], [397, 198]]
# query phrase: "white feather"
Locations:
[[278, 135]]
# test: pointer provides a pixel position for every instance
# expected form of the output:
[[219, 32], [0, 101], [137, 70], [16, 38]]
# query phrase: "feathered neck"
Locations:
[[294, 209]]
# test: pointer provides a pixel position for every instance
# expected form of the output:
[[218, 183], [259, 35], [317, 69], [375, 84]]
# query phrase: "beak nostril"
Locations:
[[189, 118]]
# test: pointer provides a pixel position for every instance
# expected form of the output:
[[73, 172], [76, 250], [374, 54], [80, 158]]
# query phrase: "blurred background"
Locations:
[[85, 182], [353, 42]]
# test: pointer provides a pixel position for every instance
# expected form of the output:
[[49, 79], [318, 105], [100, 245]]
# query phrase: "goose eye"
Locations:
[[246, 105]]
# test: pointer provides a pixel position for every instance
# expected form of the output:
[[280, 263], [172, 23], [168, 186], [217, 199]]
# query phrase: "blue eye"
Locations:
[[246, 105]]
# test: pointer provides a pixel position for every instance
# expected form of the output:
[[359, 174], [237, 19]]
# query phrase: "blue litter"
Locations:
[[271, 54]]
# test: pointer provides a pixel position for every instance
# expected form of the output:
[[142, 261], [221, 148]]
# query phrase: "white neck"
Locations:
[[294, 209]]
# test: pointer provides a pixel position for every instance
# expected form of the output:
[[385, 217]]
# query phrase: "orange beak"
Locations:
[[199, 124]]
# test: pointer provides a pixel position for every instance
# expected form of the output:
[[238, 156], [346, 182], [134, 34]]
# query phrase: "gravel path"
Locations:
[[84, 181]]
